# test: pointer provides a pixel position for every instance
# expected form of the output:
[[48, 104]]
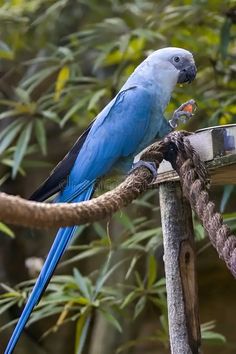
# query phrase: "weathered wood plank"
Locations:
[[217, 147], [180, 269]]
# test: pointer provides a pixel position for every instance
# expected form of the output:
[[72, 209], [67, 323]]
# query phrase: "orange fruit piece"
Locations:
[[188, 108]]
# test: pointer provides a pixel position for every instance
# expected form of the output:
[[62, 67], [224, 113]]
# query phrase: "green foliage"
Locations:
[[6, 230], [211, 337], [78, 298], [61, 62], [67, 73]]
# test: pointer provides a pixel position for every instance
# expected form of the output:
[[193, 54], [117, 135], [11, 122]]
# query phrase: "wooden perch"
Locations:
[[217, 147], [180, 269]]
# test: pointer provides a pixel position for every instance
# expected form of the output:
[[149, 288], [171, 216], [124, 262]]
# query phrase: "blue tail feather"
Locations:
[[62, 239]]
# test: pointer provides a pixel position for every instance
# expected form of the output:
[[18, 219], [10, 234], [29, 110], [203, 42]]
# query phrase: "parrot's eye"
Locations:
[[176, 59]]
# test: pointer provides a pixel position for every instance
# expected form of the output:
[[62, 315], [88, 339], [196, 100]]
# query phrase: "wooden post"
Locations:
[[179, 258]]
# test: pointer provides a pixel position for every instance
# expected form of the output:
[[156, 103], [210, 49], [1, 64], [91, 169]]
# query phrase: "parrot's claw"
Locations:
[[183, 113], [151, 166], [180, 116]]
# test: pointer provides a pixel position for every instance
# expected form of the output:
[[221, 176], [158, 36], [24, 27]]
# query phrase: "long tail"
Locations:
[[62, 239]]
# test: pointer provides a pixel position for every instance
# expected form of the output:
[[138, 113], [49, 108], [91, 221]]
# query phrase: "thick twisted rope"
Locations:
[[175, 148], [18, 211], [193, 177]]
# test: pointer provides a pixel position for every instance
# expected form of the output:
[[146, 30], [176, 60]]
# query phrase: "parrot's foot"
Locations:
[[151, 166], [183, 113]]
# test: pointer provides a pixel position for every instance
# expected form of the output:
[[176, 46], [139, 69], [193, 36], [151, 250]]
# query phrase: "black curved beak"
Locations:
[[187, 74]]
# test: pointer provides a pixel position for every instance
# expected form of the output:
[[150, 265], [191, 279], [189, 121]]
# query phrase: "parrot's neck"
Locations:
[[160, 78]]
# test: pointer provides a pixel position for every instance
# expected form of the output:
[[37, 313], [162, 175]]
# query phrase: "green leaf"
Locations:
[[152, 270], [82, 327], [139, 306], [41, 135], [124, 220], [131, 267], [140, 236], [36, 79], [100, 231], [21, 147], [129, 298], [4, 178], [106, 273], [81, 281], [53, 10], [88, 253], [139, 280], [62, 79], [73, 110], [111, 319], [10, 113], [9, 133], [8, 324], [44, 313], [9, 290], [225, 37], [23, 95], [5, 51], [95, 99], [6, 230], [8, 305], [51, 116], [10, 163], [213, 337]]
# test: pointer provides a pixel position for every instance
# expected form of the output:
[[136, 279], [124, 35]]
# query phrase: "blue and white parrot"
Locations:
[[129, 123]]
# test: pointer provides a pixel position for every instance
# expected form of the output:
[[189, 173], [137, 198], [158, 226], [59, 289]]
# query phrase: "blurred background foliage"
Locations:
[[60, 63]]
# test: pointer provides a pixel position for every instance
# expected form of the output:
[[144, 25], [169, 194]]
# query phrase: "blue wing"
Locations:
[[114, 136], [57, 178], [116, 133]]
